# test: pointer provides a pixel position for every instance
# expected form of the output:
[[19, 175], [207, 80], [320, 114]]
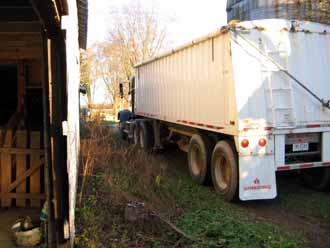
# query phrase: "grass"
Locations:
[[222, 224], [119, 174]]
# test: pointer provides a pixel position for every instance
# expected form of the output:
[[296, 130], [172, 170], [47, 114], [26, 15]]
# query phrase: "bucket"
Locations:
[[26, 238]]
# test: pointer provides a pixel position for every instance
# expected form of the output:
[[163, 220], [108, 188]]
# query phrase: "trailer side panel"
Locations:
[[192, 87]]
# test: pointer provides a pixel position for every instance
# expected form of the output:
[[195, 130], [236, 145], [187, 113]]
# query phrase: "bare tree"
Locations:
[[85, 75], [91, 70], [136, 35]]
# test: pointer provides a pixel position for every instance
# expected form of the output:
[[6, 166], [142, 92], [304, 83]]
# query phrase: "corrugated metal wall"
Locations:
[[312, 10], [191, 86]]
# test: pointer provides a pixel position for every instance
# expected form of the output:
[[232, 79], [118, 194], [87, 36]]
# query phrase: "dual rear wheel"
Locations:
[[208, 163], [218, 163], [143, 135], [220, 166]]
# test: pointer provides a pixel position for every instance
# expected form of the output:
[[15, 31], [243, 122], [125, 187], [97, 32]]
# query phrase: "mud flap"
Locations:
[[257, 178]]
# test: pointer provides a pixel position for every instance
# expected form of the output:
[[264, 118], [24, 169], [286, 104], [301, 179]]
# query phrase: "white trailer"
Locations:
[[245, 102]]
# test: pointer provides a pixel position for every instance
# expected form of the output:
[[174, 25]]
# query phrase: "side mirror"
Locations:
[[83, 89], [121, 90]]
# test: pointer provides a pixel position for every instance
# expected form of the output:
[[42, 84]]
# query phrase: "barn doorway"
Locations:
[[8, 92], [33, 112], [22, 184]]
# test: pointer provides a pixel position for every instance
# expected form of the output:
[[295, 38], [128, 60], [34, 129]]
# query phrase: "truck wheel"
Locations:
[[136, 134], [122, 134], [224, 171], [146, 136], [199, 156], [318, 178]]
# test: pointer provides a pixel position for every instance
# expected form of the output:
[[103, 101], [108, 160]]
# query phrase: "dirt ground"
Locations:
[[296, 209]]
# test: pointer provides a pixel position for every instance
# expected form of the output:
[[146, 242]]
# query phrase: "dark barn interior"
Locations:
[[8, 93]]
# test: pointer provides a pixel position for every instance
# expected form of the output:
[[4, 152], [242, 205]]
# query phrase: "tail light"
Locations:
[[262, 142], [245, 143]]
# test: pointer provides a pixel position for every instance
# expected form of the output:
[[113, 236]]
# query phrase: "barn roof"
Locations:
[[83, 22]]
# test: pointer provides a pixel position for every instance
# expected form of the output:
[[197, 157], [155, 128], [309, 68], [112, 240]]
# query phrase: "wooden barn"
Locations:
[[39, 113]]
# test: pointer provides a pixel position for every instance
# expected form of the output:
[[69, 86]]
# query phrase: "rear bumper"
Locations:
[[302, 166], [258, 165], [280, 161]]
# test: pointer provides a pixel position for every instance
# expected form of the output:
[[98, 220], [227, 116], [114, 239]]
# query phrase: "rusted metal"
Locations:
[[310, 10]]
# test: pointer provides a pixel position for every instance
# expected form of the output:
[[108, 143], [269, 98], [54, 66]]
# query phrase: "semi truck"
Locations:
[[245, 102]]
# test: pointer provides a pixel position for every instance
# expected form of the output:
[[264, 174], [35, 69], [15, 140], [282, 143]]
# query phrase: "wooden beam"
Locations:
[[15, 45], [47, 13], [20, 27], [21, 54], [21, 164], [23, 177], [15, 37], [34, 159], [6, 169], [22, 151], [23, 196], [18, 14], [1, 142], [14, 120], [21, 92]]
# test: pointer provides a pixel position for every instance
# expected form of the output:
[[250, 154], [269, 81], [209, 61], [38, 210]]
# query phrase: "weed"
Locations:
[[118, 174]]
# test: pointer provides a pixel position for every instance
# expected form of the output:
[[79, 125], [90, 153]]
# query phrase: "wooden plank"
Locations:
[[21, 163], [1, 143], [1, 140], [21, 14], [22, 151], [20, 44], [6, 169], [20, 37], [26, 174], [34, 160], [23, 196], [14, 120], [21, 90], [19, 54], [20, 27]]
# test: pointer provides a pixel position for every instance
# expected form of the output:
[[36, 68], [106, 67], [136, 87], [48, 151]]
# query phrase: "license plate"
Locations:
[[300, 147]]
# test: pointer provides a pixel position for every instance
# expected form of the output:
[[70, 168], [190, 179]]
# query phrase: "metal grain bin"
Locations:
[[311, 10]]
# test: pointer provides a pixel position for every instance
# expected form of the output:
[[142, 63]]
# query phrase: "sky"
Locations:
[[190, 18]]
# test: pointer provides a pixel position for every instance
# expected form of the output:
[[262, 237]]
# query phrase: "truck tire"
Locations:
[[122, 134], [224, 170], [199, 158], [317, 179], [136, 134], [146, 138]]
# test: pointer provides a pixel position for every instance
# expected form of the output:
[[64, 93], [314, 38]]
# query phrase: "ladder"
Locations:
[[289, 116], [278, 90]]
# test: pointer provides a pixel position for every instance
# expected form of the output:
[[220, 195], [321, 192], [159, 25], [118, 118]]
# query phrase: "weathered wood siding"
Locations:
[[71, 24]]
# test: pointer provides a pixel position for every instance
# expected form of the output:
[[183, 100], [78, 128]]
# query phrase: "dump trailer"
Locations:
[[245, 102]]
